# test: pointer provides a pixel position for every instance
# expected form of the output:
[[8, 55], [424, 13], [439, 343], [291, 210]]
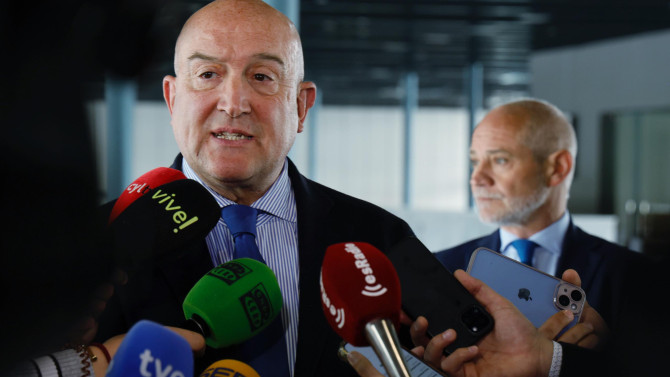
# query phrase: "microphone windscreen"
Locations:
[[142, 185], [165, 219], [229, 367], [358, 285], [235, 301], [149, 349]]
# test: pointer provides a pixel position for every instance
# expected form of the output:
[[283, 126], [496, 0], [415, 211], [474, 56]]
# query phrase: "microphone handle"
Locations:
[[382, 337], [197, 325]]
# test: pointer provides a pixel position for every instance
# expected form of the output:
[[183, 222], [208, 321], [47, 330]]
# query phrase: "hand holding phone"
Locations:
[[536, 294], [430, 290]]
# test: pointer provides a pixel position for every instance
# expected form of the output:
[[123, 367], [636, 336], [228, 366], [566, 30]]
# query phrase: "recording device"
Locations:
[[229, 367], [430, 290], [233, 302], [163, 220], [143, 184], [536, 294], [360, 297], [150, 349]]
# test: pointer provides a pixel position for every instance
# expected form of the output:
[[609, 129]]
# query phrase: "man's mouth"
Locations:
[[487, 196], [231, 136]]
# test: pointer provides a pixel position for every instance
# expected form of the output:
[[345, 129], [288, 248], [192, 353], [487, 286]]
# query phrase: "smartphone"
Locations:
[[536, 294], [428, 289], [416, 366]]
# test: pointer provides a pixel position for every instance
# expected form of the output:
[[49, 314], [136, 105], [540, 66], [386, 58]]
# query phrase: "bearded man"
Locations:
[[523, 161]]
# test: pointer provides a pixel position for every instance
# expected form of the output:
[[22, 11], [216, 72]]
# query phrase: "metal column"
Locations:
[[411, 103], [475, 90], [120, 98]]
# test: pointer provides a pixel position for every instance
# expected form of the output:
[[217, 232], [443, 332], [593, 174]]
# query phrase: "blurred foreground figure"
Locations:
[[56, 269]]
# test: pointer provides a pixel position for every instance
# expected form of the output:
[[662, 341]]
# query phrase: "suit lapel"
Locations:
[[578, 254], [492, 241], [314, 229]]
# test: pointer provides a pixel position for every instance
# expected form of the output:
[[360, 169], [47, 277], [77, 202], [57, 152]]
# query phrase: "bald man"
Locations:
[[523, 161], [237, 103]]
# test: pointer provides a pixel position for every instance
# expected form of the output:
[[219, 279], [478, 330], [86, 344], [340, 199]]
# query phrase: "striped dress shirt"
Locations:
[[277, 239]]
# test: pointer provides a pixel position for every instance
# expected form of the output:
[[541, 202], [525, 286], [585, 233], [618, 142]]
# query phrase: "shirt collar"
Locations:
[[277, 201], [550, 238]]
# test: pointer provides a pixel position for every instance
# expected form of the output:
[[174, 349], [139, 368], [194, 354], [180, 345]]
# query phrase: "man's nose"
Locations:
[[480, 175], [234, 97]]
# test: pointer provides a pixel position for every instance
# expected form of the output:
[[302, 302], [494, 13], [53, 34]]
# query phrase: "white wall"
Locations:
[[591, 79], [153, 141], [359, 150]]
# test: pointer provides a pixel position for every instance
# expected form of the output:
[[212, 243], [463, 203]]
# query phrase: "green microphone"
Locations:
[[233, 302]]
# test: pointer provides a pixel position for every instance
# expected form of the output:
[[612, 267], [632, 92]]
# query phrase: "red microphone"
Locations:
[[145, 183], [360, 296]]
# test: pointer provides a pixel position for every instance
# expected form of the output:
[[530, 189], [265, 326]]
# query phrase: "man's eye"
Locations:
[[261, 77], [207, 75], [501, 161]]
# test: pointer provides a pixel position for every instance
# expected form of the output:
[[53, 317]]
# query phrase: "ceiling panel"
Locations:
[[358, 52]]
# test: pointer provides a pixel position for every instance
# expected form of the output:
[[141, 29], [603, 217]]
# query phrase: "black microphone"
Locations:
[[162, 222], [142, 185]]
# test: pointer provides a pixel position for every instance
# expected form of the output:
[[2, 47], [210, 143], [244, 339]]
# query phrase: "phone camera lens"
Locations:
[[564, 300], [475, 319], [576, 295]]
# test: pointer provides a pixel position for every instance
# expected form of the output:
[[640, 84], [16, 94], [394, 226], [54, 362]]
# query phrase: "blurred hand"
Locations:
[[84, 329], [195, 340], [591, 331], [513, 348], [362, 365]]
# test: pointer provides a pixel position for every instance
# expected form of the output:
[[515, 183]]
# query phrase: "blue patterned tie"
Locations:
[[266, 352], [525, 249]]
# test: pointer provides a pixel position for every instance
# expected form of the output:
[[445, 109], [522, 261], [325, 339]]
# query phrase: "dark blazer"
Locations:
[[325, 217], [601, 265], [639, 346]]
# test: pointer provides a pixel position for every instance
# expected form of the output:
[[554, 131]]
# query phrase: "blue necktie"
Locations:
[[525, 249], [266, 352], [241, 221]]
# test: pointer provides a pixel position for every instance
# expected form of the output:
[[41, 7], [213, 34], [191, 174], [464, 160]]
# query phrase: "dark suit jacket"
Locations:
[[325, 217], [638, 347], [601, 265]]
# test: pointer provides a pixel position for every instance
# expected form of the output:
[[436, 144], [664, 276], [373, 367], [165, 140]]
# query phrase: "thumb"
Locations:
[[362, 365]]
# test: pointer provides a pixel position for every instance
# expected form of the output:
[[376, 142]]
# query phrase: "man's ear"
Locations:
[[169, 91], [559, 166], [306, 99]]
